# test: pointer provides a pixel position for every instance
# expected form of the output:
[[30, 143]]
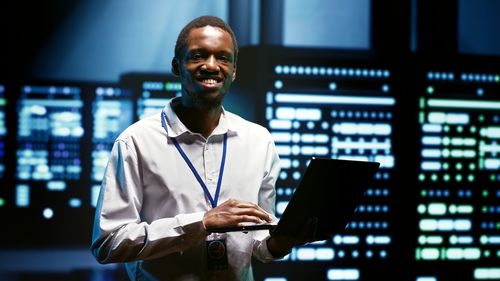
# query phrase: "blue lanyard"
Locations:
[[213, 201]]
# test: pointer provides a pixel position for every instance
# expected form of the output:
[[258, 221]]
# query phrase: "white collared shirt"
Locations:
[[150, 208]]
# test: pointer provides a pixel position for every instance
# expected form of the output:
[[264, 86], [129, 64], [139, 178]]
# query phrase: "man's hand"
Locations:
[[280, 245], [233, 213]]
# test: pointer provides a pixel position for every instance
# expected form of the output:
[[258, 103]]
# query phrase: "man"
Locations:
[[192, 167]]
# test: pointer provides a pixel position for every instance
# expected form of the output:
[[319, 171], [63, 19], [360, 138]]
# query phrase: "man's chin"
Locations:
[[209, 100]]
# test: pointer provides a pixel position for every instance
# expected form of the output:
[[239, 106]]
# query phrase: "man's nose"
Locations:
[[211, 64]]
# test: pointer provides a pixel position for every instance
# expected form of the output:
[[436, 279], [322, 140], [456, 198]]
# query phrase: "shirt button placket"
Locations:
[[208, 164]]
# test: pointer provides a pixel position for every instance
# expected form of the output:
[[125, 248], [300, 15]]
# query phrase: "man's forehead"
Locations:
[[209, 31]]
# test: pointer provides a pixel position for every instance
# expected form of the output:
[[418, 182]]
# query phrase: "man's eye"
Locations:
[[196, 56], [224, 58]]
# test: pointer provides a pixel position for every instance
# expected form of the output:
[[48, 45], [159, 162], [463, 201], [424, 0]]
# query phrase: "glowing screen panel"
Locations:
[[3, 132], [64, 135], [50, 131], [458, 196], [112, 112], [154, 98], [153, 90], [317, 107], [49, 183], [3, 135]]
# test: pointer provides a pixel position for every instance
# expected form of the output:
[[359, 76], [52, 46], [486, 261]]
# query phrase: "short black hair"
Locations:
[[202, 22]]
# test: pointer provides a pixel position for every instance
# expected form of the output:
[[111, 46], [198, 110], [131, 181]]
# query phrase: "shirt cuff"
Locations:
[[192, 224], [261, 252]]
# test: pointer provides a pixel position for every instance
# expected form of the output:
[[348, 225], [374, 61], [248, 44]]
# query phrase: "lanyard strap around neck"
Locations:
[[213, 201]]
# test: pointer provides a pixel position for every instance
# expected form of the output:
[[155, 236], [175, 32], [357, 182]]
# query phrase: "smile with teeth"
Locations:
[[209, 81]]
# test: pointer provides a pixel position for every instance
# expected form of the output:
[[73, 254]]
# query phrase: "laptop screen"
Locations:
[[328, 193]]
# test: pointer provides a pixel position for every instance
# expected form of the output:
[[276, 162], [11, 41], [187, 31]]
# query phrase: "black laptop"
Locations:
[[328, 193]]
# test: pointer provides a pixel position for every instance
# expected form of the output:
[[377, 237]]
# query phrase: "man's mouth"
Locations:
[[210, 82]]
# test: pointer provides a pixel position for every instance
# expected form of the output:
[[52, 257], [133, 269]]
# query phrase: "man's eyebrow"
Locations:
[[196, 50], [204, 51], [229, 52]]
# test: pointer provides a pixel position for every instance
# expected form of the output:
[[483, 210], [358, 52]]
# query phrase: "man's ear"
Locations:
[[234, 73], [175, 67]]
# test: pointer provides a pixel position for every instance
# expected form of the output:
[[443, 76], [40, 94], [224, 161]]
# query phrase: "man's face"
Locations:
[[206, 67]]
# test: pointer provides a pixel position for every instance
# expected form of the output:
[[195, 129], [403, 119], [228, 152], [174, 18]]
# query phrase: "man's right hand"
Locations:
[[233, 213], [280, 245]]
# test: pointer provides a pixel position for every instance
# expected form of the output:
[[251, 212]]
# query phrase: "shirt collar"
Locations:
[[174, 126]]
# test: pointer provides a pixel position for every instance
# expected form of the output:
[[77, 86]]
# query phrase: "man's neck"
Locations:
[[202, 121]]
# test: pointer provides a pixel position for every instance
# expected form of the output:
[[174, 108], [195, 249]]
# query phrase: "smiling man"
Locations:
[[207, 61], [192, 167]]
